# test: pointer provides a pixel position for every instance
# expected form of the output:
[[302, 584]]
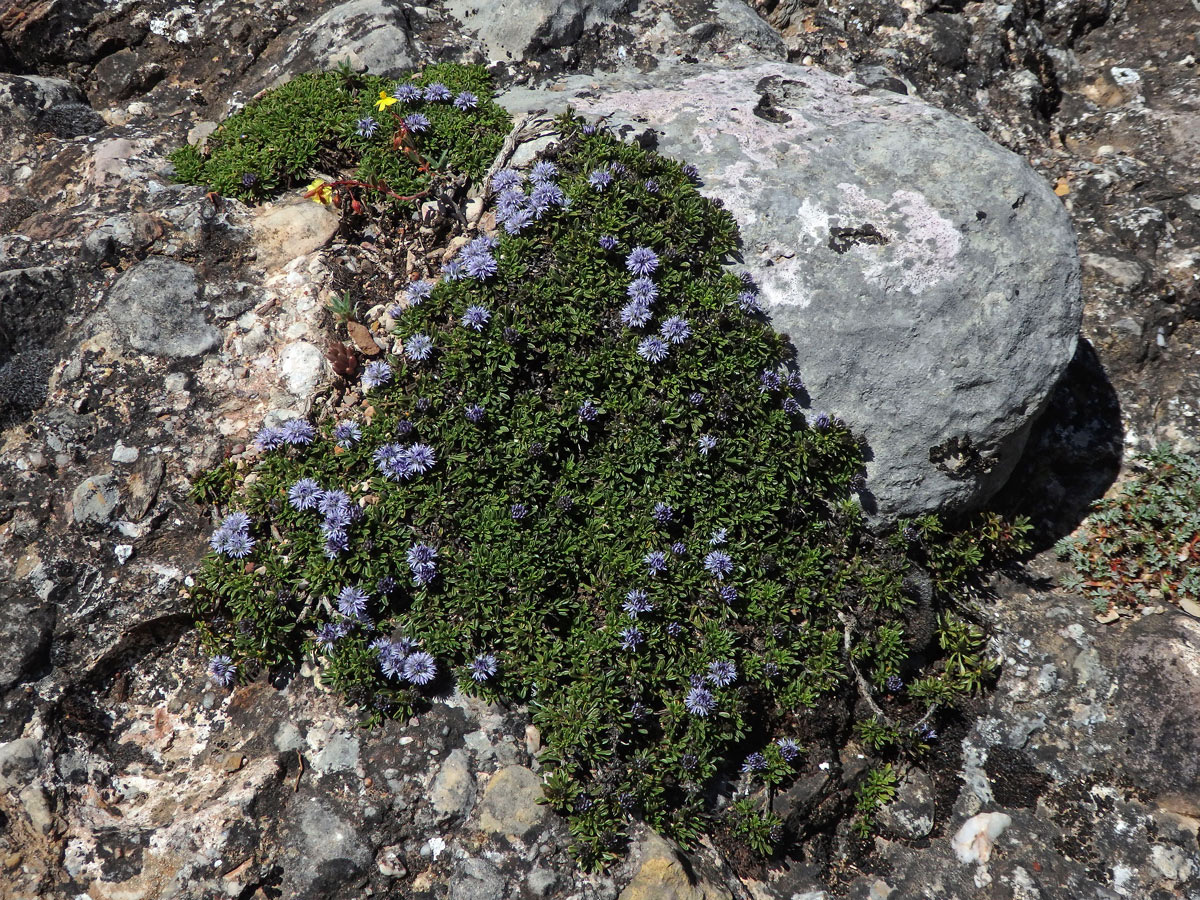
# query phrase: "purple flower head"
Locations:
[[690, 172], [347, 434], [268, 438], [506, 180], [651, 186], [416, 122], [236, 521], [484, 667], [768, 380], [706, 444], [297, 432], [480, 265], [465, 100], [718, 564], [366, 127], [728, 594], [385, 585], [600, 179], [419, 347], [791, 406], [662, 513], [474, 413], [543, 171], [352, 602], [722, 673], [587, 411], [637, 603], [437, 93], [422, 561], [393, 463], [418, 292], [635, 314], [748, 301], [407, 93], [391, 657], [607, 242], [544, 195], [821, 421], [631, 639], [330, 503], [222, 670], [700, 702], [695, 398], [619, 169], [674, 629], [642, 261], [794, 381], [926, 732], [421, 458], [420, 668], [249, 180], [894, 684], [770, 669], [330, 633], [676, 330], [788, 749], [452, 271], [755, 762], [234, 544], [336, 542], [510, 202], [518, 511], [653, 349], [717, 538], [376, 374], [476, 317], [679, 548], [656, 562], [303, 495], [642, 290]]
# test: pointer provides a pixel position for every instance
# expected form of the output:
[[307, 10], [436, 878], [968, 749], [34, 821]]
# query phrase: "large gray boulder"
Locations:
[[157, 308], [927, 277]]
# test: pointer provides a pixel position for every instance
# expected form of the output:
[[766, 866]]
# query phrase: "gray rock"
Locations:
[[510, 803], [156, 305], [339, 755], [24, 98], [302, 366], [26, 626], [19, 761], [328, 855], [32, 303], [141, 487], [927, 277], [541, 882], [910, 815], [476, 879], [453, 790], [95, 500], [521, 28]]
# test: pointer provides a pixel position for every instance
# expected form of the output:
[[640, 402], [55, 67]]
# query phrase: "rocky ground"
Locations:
[[124, 774]]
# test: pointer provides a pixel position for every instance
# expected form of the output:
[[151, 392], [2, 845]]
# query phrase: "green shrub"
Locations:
[[654, 547]]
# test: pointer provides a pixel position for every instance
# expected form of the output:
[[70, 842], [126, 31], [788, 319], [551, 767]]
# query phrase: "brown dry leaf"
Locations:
[[1062, 187], [361, 335]]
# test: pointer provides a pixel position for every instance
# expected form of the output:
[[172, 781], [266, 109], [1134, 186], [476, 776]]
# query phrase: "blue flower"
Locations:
[[722, 673], [637, 603], [418, 292], [297, 432], [376, 374], [422, 561], [474, 413], [676, 330], [437, 92], [700, 702], [679, 548], [332, 501], [651, 186], [690, 172], [820, 421], [236, 521], [631, 639], [510, 202], [518, 220], [352, 602], [641, 261], [925, 732], [635, 314], [406, 93], [788, 749], [303, 495], [336, 542], [506, 180], [543, 171], [421, 458], [419, 347], [662, 513], [465, 100], [656, 562], [234, 544], [748, 301], [588, 129], [476, 317], [894, 684], [367, 127], [484, 667], [480, 265], [330, 633], [717, 538], [600, 179], [768, 380], [718, 564], [728, 594], [268, 438], [794, 381], [222, 670], [587, 411], [706, 444], [385, 585], [674, 629], [544, 195], [755, 762], [607, 242], [393, 462], [618, 168], [416, 122], [653, 349], [391, 657], [453, 270], [695, 398], [347, 434], [642, 290], [791, 406], [518, 511], [420, 668]]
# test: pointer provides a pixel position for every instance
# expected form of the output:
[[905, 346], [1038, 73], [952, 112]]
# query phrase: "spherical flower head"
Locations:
[[788, 749], [385, 585], [236, 545], [607, 242], [651, 186], [330, 633], [653, 349], [236, 521], [722, 673], [544, 195], [718, 564], [662, 513], [821, 422], [376, 374], [347, 434], [543, 171], [476, 317], [416, 122], [768, 380], [635, 314], [587, 411], [336, 543], [222, 670], [518, 220], [636, 603], [518, 511], [794, 381], [674, 629], [437, 93], [690, 172], [421, 458], [718, 537], [631, 639], [656, 562], [679, 548], [352, 602], [331, 502], [483, 667], [418, 292], [407, 93], [706, 444], [419, 347], [641, 261], [600, 179], [589, 129], [422, 561], [393, 462], [391, 658], [297, 432], [755, 762], [510, 202], [728, 594], [700, 702], [453, 270], [480, 265], [565, 503], [771, 669], [268, 438], [303, 495], [894, 683], [420, 668], [748, 302], [506, 180], [926, 732], [474, 413], [249, 180], [366, 127], [642, 290], [791, 406], [676, 330]]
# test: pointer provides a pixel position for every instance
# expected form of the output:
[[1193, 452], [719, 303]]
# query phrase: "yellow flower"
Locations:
[[384, 101], [320, 192]]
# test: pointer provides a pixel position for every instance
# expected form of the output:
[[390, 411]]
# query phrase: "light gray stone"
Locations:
[[19, 760], [453, 790], [541, 882], [327, 853], [927, 277], [25, 97], [476, 879], [514, 29], [302, 366], [339, 755], [95, 500], [910, 814], [510, 803], [156, 306]]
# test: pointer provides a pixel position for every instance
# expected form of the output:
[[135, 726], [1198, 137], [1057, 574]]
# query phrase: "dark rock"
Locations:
[[328, 857], [26, 625], [32, 303], [23, 98], [156, 305], [95, 500], [70, 120], [122, 75], [142, 485]]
